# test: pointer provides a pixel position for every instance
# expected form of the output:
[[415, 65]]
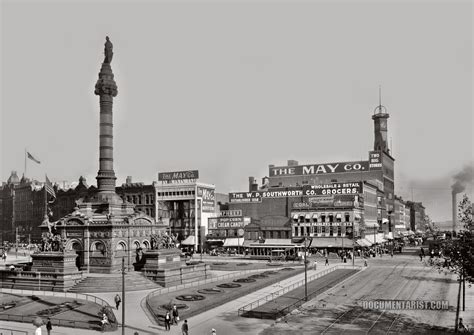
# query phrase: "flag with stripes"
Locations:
[[49, 188], [30, 156]]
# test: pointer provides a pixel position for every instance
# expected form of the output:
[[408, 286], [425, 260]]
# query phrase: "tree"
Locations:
[[457, 253]]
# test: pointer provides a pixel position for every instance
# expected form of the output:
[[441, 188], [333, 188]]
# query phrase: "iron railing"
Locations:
[[71, 295], [274, 295], [8, 331]]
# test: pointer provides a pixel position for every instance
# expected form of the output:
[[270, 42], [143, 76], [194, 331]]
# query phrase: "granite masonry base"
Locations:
[[50, 271]]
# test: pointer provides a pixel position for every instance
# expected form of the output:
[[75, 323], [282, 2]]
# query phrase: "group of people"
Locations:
[[172, 317]]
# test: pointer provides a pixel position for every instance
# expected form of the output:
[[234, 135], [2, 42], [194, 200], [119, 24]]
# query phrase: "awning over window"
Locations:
[[357, 216], [233, 242], [384, 220], [371, 224], [315, 215], [188, 241], [307, 216], [363, 242], [338, 216], [295, 216]]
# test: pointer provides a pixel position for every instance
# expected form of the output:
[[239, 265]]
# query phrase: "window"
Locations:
[[323, 217], [323, 229], [331, 218], [339, 231], [308, 231], [319, 230], [347, 217], [296, 231]]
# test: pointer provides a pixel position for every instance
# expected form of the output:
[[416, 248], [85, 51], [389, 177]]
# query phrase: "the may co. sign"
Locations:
[[178, 175], [319, 169], [208, 199]]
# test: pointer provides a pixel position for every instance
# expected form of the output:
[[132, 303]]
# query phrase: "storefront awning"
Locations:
[[378, 238], [371, 224], [338, 216], [384, 220], [188, 241], [363, 242], [332, 242], [233, 242]]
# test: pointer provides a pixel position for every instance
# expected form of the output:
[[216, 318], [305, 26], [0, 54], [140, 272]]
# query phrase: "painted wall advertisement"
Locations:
[[375, 160], [208, 199], [178, 176], [327, 201], [352, 188]]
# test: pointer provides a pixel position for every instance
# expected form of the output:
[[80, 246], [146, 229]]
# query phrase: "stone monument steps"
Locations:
[[134, 281]]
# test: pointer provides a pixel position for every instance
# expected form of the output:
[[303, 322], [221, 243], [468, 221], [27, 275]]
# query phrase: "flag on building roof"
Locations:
[[30, 156], [49, 188]]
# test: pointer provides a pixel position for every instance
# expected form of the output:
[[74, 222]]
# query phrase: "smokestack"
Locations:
[[251, 182], [455, 211], [461, 179]]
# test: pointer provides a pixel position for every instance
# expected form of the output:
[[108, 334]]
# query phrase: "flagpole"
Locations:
[[45, 198], [25, 164]]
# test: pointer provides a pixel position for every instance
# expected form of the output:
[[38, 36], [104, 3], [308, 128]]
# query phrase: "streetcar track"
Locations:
[[360, 298]]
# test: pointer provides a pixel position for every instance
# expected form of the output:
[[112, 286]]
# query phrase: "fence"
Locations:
[[7, 331], [272, 296], [55, 322], [76, 296]]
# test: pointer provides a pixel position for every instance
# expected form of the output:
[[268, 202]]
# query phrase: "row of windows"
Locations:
[[323, 218], [137, 199], [175, 193], [331, 230]]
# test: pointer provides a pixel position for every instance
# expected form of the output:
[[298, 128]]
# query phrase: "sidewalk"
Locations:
[[222, 318]]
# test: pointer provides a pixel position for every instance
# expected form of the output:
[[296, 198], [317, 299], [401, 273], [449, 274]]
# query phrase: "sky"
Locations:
[[229, 87]]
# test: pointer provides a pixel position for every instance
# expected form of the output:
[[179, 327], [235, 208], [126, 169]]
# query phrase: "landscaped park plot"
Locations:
[[62, 311], [195, 300], [285, 303]]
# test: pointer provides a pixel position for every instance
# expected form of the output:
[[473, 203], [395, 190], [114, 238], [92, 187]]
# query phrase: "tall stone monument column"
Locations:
[[106, 89]]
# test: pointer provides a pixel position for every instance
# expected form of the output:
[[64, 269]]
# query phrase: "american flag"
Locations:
[[49, 188]]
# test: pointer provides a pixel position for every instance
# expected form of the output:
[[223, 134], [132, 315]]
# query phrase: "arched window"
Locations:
[[121, 249], [98, 249], [146, 244]]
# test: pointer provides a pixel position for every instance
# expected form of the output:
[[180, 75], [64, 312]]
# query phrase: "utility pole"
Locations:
[[123, 295], [305, 271]]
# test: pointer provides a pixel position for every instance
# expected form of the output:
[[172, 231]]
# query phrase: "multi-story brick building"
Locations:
[[141, 195], [417, 216]]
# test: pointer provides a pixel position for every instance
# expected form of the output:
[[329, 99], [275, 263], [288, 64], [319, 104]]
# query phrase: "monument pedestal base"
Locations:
[[164, 267]]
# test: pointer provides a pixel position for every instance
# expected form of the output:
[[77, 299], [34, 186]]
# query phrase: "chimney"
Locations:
[[455, 212], [265, 181], [253, 185], [128, 180], [292, 162]]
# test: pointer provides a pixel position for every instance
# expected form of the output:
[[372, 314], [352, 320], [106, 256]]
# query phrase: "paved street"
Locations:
[[334, 312]]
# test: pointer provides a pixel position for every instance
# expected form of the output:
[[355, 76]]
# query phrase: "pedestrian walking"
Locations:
[[185, 328], [49, 326], [327, 261], [4, 257], [117, 301], [38, 330], [175, 314], [462, 327], [167, 321], [421, 257], [315, 264]]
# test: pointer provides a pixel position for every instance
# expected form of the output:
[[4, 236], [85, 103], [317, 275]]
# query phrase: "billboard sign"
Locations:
[[208, 199], [350, 188], [229, 222], [315, 169], [245, 197], [257, 196], [226, 222], [178, 175], [325, 201], [231, 212]]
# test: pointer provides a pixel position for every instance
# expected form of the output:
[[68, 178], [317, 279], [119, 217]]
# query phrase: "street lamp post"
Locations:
[[123, 295]]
